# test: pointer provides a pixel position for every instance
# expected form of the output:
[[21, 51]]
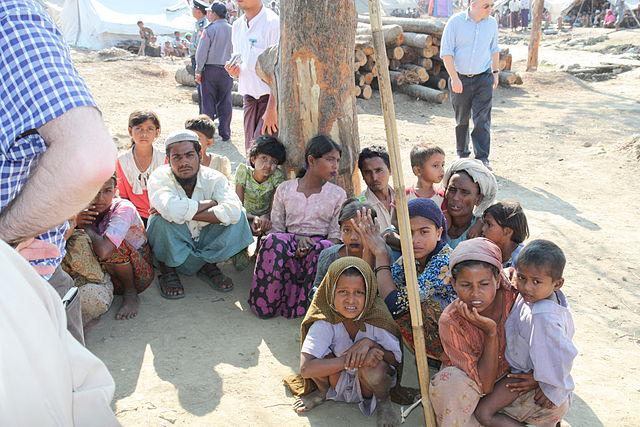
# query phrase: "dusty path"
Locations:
[[206, 360]]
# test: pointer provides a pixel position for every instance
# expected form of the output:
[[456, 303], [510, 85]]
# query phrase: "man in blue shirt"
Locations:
[[199, 12], [55, 151], [470, 52]]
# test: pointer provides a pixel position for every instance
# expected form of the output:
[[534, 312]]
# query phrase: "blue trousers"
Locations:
[[216, 97]]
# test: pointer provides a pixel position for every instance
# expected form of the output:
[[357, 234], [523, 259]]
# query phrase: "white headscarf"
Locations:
[[480, 175]]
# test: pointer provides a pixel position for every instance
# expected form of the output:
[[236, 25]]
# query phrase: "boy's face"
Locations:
[[476, 287], [204, 142], [432, 170], [350, 238], [535, 283], [264, 166], [350, 296]]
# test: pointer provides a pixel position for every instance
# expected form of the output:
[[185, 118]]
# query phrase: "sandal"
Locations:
[[404, 395], [172, 281], [211, 274]]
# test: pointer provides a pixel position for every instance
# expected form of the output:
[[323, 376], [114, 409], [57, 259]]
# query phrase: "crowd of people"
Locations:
[[496, 322]]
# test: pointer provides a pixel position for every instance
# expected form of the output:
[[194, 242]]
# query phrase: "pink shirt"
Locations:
[[316, 215], [122, 222]]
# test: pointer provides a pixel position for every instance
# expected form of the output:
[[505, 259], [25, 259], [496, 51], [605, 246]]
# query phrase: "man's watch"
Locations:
[[495, 71]]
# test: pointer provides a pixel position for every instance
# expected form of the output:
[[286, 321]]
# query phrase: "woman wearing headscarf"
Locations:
[[472, 332], [470, 188], [431, 254], [350, 344]]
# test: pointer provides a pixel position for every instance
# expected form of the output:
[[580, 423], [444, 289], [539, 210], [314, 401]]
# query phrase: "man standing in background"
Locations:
[[470, 52], [524, 13], [214, 50], [198, 11]]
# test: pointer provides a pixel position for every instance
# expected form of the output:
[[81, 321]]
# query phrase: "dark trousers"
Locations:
[[253, 111], [216, 97], [524, 18], [193, 67], [62, 282], [476, 96]]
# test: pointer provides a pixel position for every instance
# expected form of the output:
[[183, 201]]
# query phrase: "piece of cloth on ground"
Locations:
[[68, 385], [174, 245]]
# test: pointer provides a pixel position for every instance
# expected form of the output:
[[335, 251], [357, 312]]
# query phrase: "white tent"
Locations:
[[97, 24]]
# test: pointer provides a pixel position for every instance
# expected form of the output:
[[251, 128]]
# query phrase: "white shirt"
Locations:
[[524, 4], [250, 40], [47, 378], [514, 5], [171, 201]]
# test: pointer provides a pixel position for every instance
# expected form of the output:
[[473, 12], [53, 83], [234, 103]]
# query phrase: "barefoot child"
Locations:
[[135, 165], [119, 241], [427, 163], [539, 334], [505, 224], [351, 344], [257, 183], [205, 129]]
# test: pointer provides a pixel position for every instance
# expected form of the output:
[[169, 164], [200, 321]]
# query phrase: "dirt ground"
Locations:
[[561, 146]]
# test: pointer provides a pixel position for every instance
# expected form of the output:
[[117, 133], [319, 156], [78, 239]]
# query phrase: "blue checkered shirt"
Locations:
[[38, 83]]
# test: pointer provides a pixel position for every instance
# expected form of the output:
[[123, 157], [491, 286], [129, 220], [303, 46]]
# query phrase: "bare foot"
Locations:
[[387, 415], [129, 307], [308, 402]]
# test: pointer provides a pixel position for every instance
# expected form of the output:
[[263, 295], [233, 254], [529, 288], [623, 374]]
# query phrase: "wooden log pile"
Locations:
[[413, 48], [507, 77]]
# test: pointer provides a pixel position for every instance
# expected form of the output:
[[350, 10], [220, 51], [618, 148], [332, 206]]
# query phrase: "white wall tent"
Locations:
[[97, 24]]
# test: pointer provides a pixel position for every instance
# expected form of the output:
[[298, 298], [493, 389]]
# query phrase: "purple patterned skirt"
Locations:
[[281, 281]]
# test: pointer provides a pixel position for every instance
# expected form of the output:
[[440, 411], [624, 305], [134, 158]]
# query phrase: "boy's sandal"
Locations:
[[215, 278], [171, 281]]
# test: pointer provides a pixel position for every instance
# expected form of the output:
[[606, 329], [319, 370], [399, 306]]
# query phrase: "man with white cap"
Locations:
[[197, 219], [253, 33], [214, 50]]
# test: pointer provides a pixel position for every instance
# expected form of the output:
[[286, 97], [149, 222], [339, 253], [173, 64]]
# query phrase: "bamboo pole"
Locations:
[[389, 114], [536, 34]]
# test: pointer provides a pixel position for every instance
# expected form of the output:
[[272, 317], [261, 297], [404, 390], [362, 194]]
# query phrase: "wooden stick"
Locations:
[[536, 34], [389, 114]]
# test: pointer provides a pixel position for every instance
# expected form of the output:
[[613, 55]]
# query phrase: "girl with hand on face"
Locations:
[[304, 221]]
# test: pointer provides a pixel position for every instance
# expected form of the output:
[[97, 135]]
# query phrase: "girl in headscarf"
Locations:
[[472, 333], [351, 345], [431, 254], [470, 188]]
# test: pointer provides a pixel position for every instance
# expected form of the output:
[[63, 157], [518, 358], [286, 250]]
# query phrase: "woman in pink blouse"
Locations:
[[304, 221]]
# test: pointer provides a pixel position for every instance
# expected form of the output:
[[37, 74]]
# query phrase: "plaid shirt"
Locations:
[[39, 84]]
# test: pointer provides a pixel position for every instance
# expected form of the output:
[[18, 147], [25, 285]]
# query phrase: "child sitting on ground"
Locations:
[[505, 224], [205, 129], [256, 184], [539, 334], [135, 165], [427, 163], [351, 345], [119, 241]]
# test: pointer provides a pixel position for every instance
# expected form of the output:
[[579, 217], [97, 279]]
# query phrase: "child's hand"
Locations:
[[369, 232], [86, 217], [526, 383], [153, 211], [487, 325], [356, 355], [262, 224], [542, 400], [374, 356]]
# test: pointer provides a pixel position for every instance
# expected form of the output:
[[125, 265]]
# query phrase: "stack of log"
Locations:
[[413, 51], [508, 77], [184, 76]]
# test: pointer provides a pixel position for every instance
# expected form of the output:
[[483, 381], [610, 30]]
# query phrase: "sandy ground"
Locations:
[[206, 360]]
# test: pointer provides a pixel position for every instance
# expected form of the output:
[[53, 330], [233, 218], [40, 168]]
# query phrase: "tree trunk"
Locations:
[[418, 40], [315, 82], [536, 34]]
